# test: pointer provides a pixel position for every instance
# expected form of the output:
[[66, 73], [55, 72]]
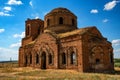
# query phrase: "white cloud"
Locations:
[[31, 4], [6, 50], [6, 54], [94, 11], [105, 20], [117, 51], [36, 17], [2, 30], [19, 35], [7, 8], [116, 42], [110, 5], [5, 14], [14, 2], [15, 45], [44, 13]]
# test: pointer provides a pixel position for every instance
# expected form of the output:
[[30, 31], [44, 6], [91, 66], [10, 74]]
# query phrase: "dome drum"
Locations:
[[60, 17]]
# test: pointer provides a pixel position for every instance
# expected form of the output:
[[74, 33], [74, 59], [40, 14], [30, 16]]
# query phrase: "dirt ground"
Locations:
[[11, 71]]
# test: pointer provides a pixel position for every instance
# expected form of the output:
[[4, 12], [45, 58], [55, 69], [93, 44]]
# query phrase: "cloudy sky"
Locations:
[[105, 14]]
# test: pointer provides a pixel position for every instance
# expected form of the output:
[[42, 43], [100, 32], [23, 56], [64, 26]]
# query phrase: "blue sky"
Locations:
[[104, 14]]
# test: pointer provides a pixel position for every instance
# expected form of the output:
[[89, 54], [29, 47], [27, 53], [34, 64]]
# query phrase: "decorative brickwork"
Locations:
[[57, 43]]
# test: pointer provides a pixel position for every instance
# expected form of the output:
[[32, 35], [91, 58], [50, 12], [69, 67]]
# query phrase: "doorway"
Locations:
[[43, 61]]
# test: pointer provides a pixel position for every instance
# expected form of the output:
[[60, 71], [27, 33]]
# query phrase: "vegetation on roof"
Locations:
[[51, 32], [79, 31], [66, 34], [31, 43]]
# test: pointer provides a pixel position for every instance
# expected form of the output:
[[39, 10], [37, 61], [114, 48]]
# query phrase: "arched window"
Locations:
[[26, 60], [73, 22], [50, 59], [30, 58], [60, 20], [63, 58], [37, 58], [97, 61], [38, 30], [48, 22], [72, 58], [28, 30]]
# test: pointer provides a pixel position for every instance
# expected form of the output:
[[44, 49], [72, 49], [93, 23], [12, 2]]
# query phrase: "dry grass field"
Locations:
[[11, 71]]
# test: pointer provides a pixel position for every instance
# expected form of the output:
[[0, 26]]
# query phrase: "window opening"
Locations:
[[63, 58], [30, 58], [60, 20], [73, 58], [37, 59], [97, 61], [48, 22], [73, 22], [50, 59]]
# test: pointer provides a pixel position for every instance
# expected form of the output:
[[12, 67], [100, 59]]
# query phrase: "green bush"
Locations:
[[117, 62]]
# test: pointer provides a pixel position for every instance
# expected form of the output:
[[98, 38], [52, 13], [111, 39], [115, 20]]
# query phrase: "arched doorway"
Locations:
[[43, 61]]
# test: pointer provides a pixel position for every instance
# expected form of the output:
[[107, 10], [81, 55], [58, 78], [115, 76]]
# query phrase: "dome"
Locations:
[[60, 20], [60, 10]]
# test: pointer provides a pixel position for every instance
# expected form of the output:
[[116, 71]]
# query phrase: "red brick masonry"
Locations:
[[57, 43]]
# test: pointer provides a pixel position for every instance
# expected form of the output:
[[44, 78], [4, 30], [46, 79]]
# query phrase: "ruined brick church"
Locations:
[[57, 43]]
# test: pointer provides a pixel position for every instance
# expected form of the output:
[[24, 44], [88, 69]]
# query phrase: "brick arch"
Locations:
[[46, 38], [97, 49], [49, 54], [27, 59], [63, 57], [72, 49], [37, 57], [64, 50], [96, 57], [72, 55], [28, 30], [45, 47]]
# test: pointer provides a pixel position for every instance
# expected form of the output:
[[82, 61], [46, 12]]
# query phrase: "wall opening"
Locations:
[[43, 61], [50, 59], [73, 22], [72, 58], [28, 30], [63, 58], [26, 60], [39, 30], [60, 20], [37, 58], [97, 61], [30, 58], [48, 22]]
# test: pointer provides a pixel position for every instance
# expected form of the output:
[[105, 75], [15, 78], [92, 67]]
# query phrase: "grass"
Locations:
[[117, 62], [11, 71], [70, 75], [8, 67]]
